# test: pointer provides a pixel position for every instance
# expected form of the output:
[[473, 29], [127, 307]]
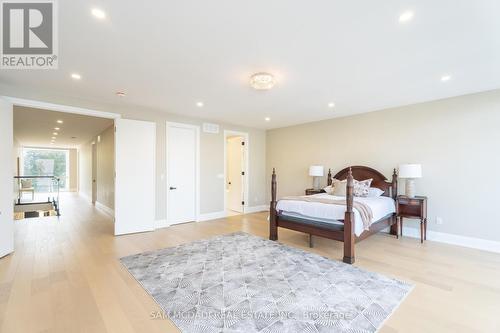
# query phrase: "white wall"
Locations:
[[85, 170], [73, 170], [211, 162], [456, 140], [105, 168]]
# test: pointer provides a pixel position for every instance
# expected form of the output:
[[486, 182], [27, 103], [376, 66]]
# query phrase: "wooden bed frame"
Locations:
[[343, 233]]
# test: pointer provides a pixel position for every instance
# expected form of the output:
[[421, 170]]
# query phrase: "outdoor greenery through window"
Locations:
[[46, 162]]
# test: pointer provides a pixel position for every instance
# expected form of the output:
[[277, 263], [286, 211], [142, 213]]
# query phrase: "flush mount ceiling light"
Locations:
[[267, 119], [331, 105], [262, 81], [199, 104], [445, 78], [76, 76], [406, 16], [99, 13]]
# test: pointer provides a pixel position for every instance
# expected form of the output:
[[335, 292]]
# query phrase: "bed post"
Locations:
[[329, 179], [394, 184], [394, 194], [273, 227], [349, 239]]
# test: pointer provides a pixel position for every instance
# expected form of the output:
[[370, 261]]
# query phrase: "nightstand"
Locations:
[[412, 208], [311, 191]]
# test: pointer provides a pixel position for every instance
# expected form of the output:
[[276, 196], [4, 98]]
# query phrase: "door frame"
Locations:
[[246, 177], [196, 129]]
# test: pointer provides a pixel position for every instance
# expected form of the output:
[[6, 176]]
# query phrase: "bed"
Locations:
[[317, 216]]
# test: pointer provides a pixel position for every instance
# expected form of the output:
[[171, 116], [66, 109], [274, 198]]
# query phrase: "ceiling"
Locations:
[[35, 127], [169, 55]]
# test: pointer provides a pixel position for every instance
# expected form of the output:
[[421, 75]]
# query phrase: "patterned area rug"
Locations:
[[242, 283]]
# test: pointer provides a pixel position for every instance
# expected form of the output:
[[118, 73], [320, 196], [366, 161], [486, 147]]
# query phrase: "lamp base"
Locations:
[[410, 188], [316, 183]]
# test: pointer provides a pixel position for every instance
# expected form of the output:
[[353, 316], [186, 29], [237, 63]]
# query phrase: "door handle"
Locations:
[[173, 188]]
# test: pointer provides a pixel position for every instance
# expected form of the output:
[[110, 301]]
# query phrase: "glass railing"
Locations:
[[37, 194]]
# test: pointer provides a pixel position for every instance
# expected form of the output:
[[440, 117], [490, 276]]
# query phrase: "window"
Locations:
[[47, 162]]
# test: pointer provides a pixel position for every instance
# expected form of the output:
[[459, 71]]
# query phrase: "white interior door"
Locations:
[[182, 146], [234, 179], [135, 149], [6, 179]]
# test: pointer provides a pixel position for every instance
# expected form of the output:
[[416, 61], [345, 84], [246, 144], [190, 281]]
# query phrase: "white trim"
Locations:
[[105, 209], [161, 224], [256, 209], [197, 175], [61, 108], [211, 216], [246, 197], [471, 242]]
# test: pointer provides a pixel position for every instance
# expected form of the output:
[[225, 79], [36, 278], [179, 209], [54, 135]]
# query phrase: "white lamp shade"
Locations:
[[410, 171], [316, 170]]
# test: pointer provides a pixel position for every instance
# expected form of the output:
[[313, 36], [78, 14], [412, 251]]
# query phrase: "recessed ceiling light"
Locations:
[[406, 16], [57, 128], [53, 138], [262, 81], [121, 94], [199, 104], [445, 78], [331, 105], [76, 76], [55, 133], [99, 13], [267, 119], [59, 121]]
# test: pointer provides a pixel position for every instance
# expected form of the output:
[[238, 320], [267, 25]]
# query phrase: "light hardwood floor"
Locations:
[[65, 275]]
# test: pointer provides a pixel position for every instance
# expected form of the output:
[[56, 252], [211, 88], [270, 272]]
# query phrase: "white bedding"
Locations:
[[381, 206]]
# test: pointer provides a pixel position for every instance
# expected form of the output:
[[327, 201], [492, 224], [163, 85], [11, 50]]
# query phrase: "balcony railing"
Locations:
[[39, 193]]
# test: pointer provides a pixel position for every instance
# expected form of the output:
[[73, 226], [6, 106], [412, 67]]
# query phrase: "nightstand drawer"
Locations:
[[410, 210], [409, 202]]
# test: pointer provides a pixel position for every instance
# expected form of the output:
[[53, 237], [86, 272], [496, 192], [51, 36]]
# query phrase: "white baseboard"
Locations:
[[161, 224], [475, 243], [105, 209], [256, 209], [211, 216]]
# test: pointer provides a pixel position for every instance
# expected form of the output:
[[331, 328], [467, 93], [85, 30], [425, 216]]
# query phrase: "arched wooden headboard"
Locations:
[[379, 180]]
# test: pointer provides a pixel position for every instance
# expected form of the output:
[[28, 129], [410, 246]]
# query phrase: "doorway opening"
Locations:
[[236, 172], [58, 156]]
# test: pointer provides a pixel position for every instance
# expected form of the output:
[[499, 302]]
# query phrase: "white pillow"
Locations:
[[374, 192], [328, 189]]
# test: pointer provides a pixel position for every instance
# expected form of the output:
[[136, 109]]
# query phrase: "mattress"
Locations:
[[326, 213]]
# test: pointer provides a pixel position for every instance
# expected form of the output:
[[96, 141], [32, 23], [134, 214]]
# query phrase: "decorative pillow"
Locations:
[[374, 192], [361, 188], [339, 187], [328, 189]]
